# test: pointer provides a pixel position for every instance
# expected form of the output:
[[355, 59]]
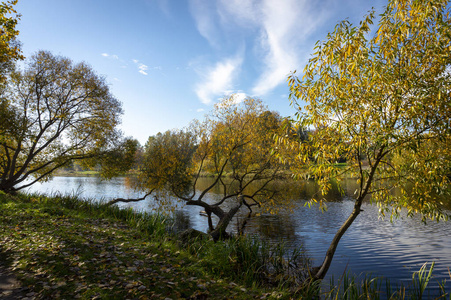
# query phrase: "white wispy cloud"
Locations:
[[204, 13], [112, 56], [238, 97], [283, 29], [142, 69], [217, 80]]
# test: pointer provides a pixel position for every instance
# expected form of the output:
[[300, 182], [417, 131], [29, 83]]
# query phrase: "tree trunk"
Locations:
[[320, 273], [210, 221], [220, 230], [7, 187]]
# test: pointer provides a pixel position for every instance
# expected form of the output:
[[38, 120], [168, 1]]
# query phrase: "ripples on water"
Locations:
[[393, 250]]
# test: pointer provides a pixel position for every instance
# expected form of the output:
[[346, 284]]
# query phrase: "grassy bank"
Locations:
[[65, 248]]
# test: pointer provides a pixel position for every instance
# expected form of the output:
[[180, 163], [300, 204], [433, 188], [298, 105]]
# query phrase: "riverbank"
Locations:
[[284, 174], [59, 249], [67, 248], [66, 173]]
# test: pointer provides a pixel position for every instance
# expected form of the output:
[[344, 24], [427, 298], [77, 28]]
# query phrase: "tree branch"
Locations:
[[114, 201]]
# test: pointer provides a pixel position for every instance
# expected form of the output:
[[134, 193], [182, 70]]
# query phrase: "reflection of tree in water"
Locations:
[[308, 189], [130, 182], [181, 221], [274, 227]]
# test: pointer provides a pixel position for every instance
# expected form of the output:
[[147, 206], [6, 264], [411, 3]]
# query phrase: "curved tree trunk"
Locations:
[[220, 231], [321, 272]]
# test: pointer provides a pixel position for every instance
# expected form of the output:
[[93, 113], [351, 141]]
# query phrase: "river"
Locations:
[[373, 245]]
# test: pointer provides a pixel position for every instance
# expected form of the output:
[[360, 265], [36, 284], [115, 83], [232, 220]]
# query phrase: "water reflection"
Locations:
[[393, 250]]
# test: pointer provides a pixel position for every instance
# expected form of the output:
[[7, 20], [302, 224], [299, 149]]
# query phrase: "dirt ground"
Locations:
[[9, 286]]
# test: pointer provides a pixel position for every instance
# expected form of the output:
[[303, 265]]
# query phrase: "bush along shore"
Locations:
[[62, 247]]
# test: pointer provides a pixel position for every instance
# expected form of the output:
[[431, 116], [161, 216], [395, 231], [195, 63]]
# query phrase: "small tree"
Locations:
[[383, 103], [233, 146], [53, 112]]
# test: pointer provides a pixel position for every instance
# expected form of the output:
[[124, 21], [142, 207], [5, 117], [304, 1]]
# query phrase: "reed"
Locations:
[[349, 287], [253, 261]]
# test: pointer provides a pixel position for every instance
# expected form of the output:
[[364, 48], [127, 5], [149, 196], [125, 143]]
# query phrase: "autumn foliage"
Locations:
[[382, 101], [233, 145]]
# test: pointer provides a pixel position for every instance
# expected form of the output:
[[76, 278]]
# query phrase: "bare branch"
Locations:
[[114, 201]]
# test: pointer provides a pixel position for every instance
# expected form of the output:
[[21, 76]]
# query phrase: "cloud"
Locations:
[[239, 97], [112, 56], [200, 110], [142, 69], [278, 32], [218, 79], [204, 13], [245, 14], [285, 26]]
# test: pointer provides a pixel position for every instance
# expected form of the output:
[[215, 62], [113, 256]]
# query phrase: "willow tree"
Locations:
[[381, 100], [9, 46], [55, 112], [232, 146]]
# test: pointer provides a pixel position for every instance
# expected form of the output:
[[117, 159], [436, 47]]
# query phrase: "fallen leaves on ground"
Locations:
[[59, 254]]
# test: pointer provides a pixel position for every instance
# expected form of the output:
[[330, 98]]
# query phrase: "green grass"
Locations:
[[62, 247]]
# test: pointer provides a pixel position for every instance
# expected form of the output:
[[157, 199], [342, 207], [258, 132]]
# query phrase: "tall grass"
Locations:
[[349, 288], [253, 261], [154, 224]]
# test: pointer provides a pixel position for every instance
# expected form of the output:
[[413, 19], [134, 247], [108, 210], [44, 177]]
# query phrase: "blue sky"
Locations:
[[169, 61]]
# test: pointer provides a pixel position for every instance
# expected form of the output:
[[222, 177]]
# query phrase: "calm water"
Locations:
[[392, 250]]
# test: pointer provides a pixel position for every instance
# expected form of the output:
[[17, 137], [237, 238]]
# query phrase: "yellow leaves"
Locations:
[[9, 51], [368, 98]]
